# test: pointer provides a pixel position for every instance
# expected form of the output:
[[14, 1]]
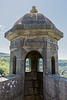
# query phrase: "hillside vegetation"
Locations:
[[5, 59], [62, 68], [4, 64]]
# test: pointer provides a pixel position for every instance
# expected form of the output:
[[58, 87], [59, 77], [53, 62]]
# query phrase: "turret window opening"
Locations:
[[14, 65], [53, 65], [28, 66], [40, 65]]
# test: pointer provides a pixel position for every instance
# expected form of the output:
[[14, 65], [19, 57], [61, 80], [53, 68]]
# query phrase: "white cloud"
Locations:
[[1, 27]]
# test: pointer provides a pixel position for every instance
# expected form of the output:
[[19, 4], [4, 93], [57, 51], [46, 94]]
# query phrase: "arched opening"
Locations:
[[14, 65], [33, 85], [53, 65]]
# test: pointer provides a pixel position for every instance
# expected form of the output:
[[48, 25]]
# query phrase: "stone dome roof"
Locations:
[[34, 20], [31, 20]]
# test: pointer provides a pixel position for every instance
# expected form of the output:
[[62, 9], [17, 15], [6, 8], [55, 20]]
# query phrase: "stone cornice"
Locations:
[[32, 32]]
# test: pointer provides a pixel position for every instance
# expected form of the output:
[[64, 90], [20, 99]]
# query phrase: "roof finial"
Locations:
[[34, 10]]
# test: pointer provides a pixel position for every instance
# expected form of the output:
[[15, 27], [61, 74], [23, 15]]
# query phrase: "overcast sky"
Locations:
[[55, 10]]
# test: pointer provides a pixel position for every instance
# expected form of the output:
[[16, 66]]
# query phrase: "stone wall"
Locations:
[[55, 88], [33, 89], [11, 88]]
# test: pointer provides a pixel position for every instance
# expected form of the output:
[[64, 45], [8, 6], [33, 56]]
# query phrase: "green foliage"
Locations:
[[62, 68], [4, 64]]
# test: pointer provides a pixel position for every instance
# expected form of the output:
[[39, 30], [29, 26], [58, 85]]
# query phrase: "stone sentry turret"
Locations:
[[34, 37]]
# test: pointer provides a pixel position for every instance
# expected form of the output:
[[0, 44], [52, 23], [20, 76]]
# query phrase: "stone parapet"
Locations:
[[55, 87], [11, 88]]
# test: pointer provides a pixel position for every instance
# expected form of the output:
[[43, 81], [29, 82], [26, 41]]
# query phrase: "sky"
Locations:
[[12, 10]]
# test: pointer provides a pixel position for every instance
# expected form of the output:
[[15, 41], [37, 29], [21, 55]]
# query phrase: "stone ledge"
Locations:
[[8, 78], [57, 77], [34, 32]]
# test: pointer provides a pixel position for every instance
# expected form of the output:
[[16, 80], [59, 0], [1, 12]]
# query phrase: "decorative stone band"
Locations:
[[39, 47], [32, 32]]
